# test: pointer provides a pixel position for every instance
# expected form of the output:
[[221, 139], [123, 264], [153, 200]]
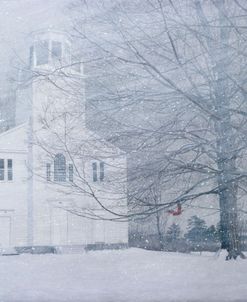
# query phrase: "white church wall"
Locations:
[[51, 199], [13, 198], [51, 224]]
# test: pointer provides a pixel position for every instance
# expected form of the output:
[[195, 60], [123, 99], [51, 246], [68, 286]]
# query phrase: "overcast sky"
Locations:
[[20, 17]]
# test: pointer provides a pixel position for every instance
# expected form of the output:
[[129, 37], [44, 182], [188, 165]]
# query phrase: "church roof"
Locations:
[[14, 140]]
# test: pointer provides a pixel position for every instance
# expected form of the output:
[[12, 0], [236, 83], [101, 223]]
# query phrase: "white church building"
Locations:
[[61, 184]]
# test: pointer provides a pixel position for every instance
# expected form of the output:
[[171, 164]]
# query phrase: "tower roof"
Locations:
[[50, 34]]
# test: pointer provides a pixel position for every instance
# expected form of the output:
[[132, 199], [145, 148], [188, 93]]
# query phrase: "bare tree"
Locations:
[[171, 78], [184, 63]]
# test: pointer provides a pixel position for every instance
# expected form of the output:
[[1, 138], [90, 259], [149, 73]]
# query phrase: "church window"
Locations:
[[10, 169], [98, 173], [56, 51], [102, 171], [95, 176], [71, 173], [1, 169], [59, 168], [42, 52], [66, 54], [48, 172]]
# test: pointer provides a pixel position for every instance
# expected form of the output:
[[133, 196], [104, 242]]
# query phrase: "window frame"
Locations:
[[71, 172], [2, 169], [48, 172], [42, 52], [95, 171], [60, 168], [101, 171], [10, 174], [56, 52]]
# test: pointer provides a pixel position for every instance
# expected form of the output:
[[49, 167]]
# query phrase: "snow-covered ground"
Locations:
[[128, 275]]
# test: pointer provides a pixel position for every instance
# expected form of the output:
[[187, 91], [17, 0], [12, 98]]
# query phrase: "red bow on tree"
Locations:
[[176, 212]]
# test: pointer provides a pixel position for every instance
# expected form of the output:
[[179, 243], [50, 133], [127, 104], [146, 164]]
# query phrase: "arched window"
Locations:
[[59, 167]]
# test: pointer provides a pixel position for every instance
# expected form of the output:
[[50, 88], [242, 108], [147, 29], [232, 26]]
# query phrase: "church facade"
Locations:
[[60, 183]]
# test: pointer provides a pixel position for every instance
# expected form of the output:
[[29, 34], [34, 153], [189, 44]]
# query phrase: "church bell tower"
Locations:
[[52, 102], [54, 73], [52, 51]]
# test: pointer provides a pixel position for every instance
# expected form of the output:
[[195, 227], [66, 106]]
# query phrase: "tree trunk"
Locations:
[[225, 141], [160, 234], [229, 235], [227, 184]]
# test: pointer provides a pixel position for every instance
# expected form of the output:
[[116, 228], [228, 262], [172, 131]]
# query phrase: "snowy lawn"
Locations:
[[128, 275]]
